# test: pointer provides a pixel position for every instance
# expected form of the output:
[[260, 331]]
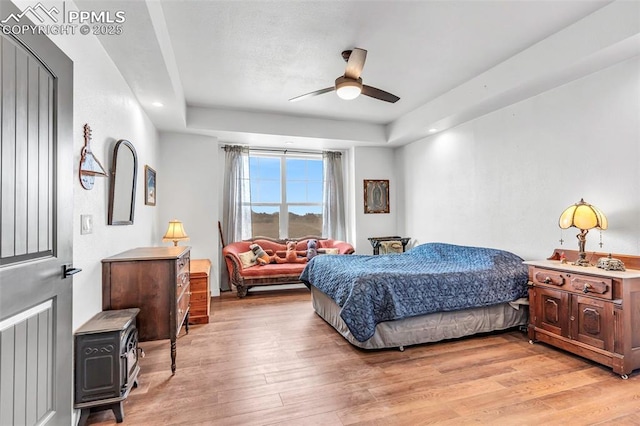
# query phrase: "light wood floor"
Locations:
[[268, 359]]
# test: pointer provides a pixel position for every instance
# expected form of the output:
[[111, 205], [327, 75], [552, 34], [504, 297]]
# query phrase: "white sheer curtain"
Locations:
[[333, 208], [236, 210]]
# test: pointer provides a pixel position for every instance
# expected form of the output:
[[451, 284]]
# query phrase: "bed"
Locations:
[[432, 292]]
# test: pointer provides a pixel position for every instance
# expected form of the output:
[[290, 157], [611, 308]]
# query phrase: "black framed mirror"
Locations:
[[122, 186]]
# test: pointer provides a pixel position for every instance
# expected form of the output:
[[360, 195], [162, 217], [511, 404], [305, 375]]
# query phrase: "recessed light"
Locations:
[[288, 143], [157, 104], [432, 130]]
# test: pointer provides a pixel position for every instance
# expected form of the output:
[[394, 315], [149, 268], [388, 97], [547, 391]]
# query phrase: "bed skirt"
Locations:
[[426, 328]]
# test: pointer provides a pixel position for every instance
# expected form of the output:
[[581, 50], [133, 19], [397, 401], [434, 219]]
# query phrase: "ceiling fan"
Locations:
[[349, 86]]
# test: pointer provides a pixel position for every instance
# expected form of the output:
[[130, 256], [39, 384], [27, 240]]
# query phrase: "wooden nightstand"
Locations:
[[588, 311], [200, 291]]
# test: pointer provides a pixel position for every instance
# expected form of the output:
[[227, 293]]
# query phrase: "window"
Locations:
[[286, 195]]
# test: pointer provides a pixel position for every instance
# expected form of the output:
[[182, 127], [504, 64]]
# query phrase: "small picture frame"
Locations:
[[376, 196], [149, 186]]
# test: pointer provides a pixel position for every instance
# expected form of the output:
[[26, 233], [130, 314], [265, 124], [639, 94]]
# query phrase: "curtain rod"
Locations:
[[283, 150]]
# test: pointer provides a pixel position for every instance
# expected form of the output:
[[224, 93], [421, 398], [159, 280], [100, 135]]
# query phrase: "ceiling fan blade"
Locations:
[[379, 94], [355, 63], [312, 94]]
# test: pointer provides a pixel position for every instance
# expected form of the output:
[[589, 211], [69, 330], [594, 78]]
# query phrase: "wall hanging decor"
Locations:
[[149, 186], [90, 167], [376, 196], [122, 193]]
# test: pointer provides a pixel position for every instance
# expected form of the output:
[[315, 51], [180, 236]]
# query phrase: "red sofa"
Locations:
[[245, 277]]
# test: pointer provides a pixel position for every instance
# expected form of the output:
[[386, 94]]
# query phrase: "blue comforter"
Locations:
[[429, 278]]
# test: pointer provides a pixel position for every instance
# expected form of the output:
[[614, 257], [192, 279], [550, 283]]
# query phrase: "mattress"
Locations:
[[427, 328], [429, 278]]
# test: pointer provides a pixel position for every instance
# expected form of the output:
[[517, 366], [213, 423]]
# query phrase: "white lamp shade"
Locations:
[[175, 232]]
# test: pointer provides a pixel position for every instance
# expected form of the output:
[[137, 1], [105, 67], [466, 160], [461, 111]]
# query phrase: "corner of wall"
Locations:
[[188, 189]]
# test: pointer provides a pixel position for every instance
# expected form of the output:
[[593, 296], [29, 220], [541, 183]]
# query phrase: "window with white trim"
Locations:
[[286, 195]]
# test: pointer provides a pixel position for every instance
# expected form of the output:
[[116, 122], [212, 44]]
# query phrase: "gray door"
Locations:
[[36, 241]]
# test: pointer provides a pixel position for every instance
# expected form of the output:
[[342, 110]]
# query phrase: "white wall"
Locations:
[[502, 180], [372, 164], [104, 101], [187, 189]]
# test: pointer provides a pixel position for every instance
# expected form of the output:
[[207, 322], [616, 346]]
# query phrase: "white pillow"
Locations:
[[248, 259], [331, 251]]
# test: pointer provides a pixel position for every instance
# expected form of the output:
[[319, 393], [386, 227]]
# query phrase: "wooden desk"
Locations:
[[156, 280]]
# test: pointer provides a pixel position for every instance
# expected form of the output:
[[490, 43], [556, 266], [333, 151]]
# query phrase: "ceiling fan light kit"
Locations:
[[348, 88]]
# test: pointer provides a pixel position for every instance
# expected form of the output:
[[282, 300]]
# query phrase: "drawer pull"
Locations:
[[184, 278], [547, 280], [591, 286]]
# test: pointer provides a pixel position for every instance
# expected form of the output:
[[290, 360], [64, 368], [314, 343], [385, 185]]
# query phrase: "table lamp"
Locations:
[[175, 232], [583, 216]]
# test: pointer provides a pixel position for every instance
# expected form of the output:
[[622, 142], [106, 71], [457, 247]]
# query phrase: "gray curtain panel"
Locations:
[[333, 208], [236, 208]]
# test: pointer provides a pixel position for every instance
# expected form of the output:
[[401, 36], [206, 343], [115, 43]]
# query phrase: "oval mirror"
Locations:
[[122, 191]]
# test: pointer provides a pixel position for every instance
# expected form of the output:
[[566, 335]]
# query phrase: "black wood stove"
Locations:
[[106, 364]]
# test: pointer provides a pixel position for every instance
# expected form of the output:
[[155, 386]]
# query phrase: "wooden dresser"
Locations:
[[588, 311], [156, 280], [200, 291]]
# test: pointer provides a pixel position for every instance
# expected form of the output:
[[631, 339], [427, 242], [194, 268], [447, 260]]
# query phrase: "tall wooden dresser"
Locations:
[[156, 280]]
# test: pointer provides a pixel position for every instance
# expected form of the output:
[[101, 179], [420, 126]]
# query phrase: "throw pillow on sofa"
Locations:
[[248, 259]]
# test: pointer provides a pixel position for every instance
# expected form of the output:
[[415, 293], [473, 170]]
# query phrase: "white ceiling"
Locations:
[[228, 68]]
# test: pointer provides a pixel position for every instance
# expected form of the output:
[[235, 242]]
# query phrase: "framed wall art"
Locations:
[[376, 196], [149, 186]]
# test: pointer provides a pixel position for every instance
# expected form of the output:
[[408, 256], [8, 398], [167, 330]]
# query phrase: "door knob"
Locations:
[[68, 270]]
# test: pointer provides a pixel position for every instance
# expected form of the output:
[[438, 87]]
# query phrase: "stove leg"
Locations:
[[118, 411], [84, 415]]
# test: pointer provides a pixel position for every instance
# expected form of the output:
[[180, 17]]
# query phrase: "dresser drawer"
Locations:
[[593, 286], [198, 283], [548, 278], [181, 282], [199, 297], [182, 264], [197, 311], [183, 308], [575, 283]]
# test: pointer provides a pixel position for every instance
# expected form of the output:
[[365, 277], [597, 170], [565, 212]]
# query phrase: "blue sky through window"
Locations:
[[264, 173], [286, 196], [303, 183]]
